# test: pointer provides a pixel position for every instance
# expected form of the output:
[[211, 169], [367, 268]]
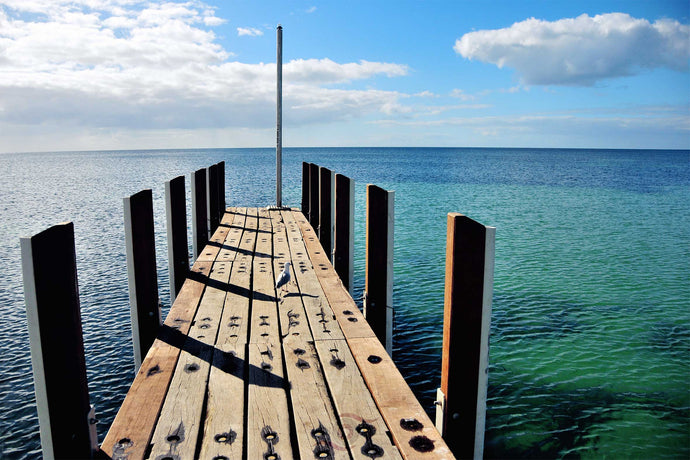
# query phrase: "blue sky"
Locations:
[[126, 74]]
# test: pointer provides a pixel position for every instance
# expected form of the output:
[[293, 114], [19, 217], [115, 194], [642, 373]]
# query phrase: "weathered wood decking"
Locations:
[[242, 371]]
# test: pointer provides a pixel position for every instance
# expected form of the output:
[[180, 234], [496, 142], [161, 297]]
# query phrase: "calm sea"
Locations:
[[590, 336]]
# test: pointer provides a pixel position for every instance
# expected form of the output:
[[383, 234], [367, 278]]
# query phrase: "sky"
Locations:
[[135, 74]]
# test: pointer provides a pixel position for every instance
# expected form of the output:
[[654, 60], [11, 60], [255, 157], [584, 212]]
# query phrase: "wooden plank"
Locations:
[[57, 348], [199, 218], [232, 225], [378, 290], [133, 426], [348, 315], [224, 423], [268, 421], [181, 421], [365, 430], [317, 431], [413, 431], [318, 312], [215, 244], [293, 318], [132, 429], [142, 276], [467, 317], [384, 381], [264, 322], [176, 220], [316, 425]]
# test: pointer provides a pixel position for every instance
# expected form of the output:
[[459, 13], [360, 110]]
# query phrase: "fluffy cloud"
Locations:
[[157, 65], [582, 50]]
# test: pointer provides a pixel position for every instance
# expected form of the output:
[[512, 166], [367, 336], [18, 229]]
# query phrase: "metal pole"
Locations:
[[279, 119]]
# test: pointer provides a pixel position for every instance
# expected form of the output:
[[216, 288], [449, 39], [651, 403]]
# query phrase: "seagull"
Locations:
[[284, 277]]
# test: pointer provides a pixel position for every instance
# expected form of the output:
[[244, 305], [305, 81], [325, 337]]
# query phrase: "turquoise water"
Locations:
[[590, 337]]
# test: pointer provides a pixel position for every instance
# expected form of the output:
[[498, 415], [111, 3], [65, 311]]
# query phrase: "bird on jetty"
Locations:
[[284, 277]]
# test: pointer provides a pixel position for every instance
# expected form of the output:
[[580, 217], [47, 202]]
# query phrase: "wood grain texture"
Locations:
[[318, 311], [316, 426], [352, 322], [412, 430], [180, 422], [364, 428], [131, 431], [223, 434], [391, 393], [268, 416], [268, 419]]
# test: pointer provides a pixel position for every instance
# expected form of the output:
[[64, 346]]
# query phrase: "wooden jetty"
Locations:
[[242, 369], [239, 368]]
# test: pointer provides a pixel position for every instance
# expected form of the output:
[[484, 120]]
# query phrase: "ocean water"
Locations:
[[590, 335]]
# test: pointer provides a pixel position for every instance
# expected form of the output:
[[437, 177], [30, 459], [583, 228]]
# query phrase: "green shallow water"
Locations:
[[590, 336]]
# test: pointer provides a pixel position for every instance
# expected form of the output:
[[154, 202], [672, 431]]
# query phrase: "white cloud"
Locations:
[[582, 50], [135, 64], [249, 31], [311, 10]]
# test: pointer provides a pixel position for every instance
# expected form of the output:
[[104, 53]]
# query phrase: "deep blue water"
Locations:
[[590, 338]]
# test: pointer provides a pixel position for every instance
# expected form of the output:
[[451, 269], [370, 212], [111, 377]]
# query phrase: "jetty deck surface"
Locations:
[[242, 370]]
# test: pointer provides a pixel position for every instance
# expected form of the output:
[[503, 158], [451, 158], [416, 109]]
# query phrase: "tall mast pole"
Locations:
[[279, 119]]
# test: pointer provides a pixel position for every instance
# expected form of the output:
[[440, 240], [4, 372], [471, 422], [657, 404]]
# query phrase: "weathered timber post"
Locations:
[[221, 190], [141, 272], [378, 291], [326, 195], [305, 189], [344, 248], [199, 218], [212, 199], [176, 217], [49, 266], [314, 189], [461, 411]]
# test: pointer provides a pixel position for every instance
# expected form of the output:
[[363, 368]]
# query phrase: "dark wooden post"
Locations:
[[57, 348], [344, 249], [199, 222], [141, 272], [378, 291], [461, 414], [314, 188], [326, 195], [221, 190], [176, 216], [305, 189], [212, 199]]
